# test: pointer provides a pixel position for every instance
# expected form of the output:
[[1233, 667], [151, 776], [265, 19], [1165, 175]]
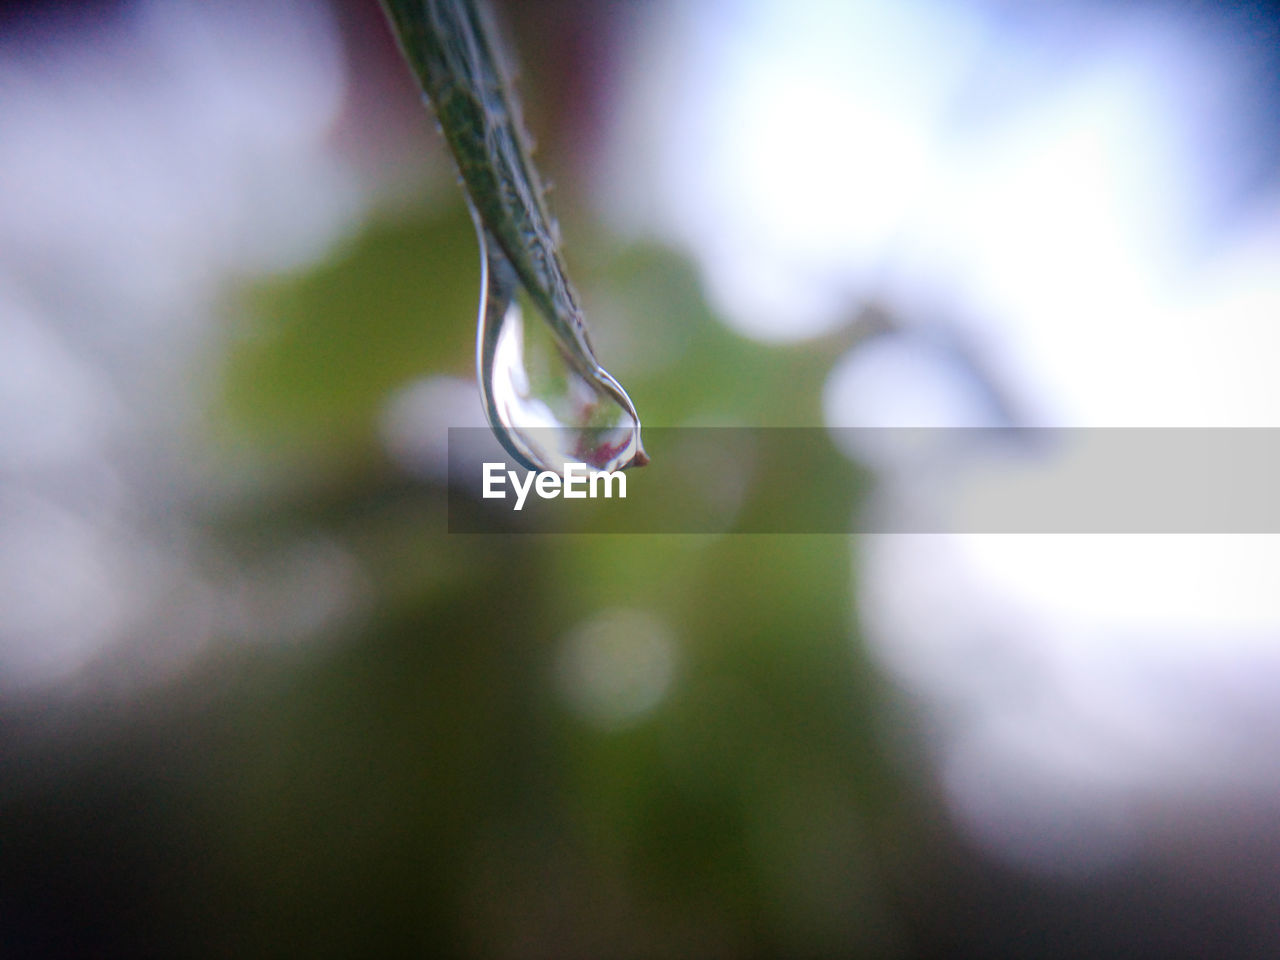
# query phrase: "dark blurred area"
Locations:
[[256, 700]]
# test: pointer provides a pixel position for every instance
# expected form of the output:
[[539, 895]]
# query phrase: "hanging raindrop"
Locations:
[[549, 401]]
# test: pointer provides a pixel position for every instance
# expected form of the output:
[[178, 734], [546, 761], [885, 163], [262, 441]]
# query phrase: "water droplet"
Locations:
[[546, 396]]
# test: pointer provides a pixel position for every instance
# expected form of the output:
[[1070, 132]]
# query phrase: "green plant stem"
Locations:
[[452, 49]]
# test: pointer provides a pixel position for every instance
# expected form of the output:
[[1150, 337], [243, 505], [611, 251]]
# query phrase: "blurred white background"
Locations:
[[1079, 198]]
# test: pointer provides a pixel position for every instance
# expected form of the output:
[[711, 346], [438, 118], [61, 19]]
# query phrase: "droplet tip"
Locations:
[[640, 459]]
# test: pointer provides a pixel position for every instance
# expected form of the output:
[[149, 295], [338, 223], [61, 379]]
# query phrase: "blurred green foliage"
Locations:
[[318, 354], [410, 778], [417, 779]]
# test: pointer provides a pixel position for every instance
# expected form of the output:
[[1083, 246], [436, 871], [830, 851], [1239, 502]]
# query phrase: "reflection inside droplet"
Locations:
[[546, 397]]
